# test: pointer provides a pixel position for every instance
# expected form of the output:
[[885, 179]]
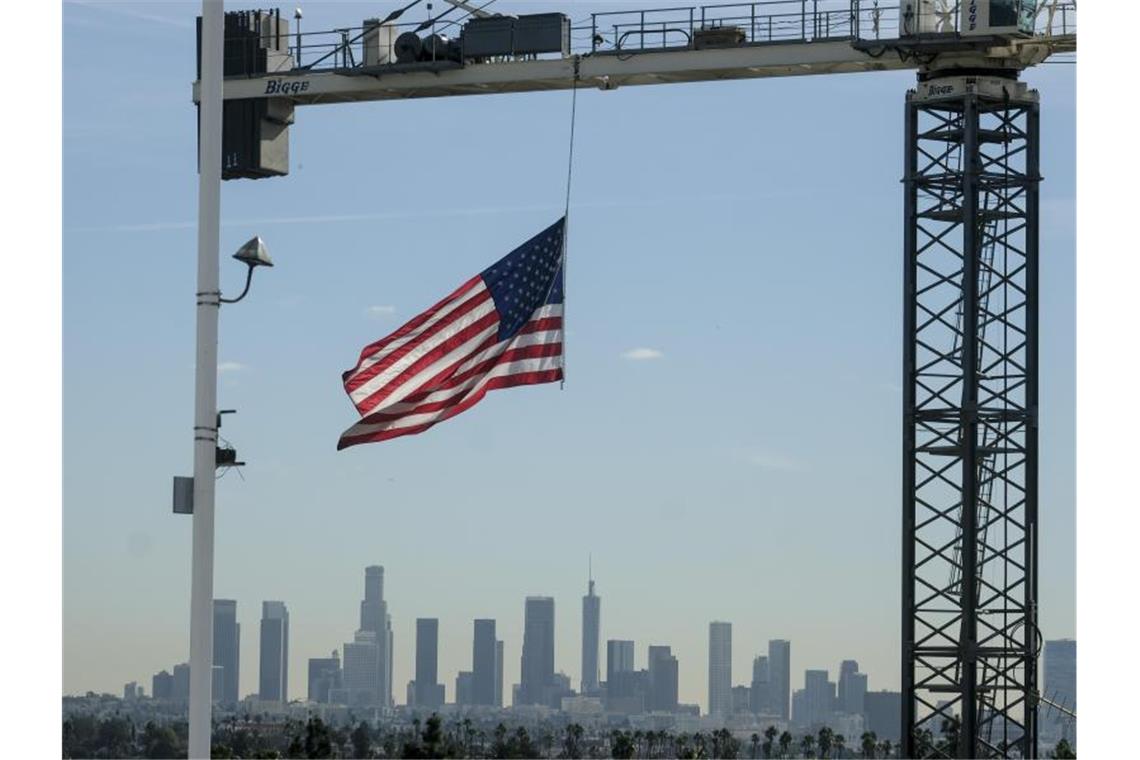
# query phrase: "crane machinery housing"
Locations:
[[970, 639]]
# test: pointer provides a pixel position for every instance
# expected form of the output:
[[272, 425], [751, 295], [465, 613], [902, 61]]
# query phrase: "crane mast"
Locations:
[[970, 638]]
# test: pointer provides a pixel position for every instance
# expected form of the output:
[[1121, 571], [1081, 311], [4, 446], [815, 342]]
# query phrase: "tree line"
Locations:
[[117, 736]]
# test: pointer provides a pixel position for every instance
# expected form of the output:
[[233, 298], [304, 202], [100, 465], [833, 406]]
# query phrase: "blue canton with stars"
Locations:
[[527, 278]]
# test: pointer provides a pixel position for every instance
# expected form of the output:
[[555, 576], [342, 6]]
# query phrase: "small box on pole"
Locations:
[[183, 495]]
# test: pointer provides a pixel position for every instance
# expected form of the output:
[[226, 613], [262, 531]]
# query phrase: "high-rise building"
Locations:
[[619, 658], [759, 700], [883, 711], [1061, 672], [591, 629], [162, 685], [720, 668], [463, 686], [428, 691], [852, 688], [180, 687], [741, 699], [361, 670], [818, 699], [663, 684], [130, 691], [324, 677], [227, 648], [1060, 687], [537, 681], [779, 677], [273, 684], [483, 654], [374, 616], [499, 673]]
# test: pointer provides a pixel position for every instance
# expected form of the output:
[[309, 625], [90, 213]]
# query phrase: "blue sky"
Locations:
[[749, 233]]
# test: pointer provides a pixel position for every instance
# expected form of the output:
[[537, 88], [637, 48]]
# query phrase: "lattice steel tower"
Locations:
[[970, 636]]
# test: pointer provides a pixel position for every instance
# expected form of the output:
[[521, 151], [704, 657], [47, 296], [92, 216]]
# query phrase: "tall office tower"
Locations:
[[428, 690], [779, 677], [1061, 672], [217, 683], [663, 684], [852, 688], [1060, 686], [464, 681], [324, 677], [130, 691], [273, 684], [619, 658], [374, 617], [720, 668], [499, 673], [537, 651], [180, 689], [162, 685], [819, 699], [883, 713], [591, 628], [361, 674], [759, 700], [483, 663], [227, 648]]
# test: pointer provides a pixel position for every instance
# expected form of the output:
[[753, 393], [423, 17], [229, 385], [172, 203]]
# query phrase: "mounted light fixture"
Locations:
[[253, 254]]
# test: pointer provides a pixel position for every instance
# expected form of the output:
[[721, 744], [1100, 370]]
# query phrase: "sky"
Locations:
[[727, 444]]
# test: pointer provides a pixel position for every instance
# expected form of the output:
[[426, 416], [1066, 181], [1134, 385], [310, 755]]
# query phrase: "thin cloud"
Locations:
[[230, 367], [382, 311], [438, 213], [642, 354]]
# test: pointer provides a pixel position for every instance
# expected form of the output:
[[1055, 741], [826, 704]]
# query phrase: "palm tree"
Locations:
[[840, 744], [755, 745], [867, 741], [886, 749], [826, 736], [785, 743], [770, 734], [807, 745]]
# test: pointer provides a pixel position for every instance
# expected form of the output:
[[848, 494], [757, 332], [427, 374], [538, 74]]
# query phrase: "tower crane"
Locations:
[[970, 265]]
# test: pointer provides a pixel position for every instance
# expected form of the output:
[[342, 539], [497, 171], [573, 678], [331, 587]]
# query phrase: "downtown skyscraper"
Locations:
[[484, 659], [779, 677], [273, 680], [374, 618], [428, 691], [591, 629], [720, 668], [537, 681], [227, 649]]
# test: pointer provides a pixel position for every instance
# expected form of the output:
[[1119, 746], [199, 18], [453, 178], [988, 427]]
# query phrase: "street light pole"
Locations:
[[206, 380]]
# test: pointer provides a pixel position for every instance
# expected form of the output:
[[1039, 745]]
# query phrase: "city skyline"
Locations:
[[772, 671], [305, 519]]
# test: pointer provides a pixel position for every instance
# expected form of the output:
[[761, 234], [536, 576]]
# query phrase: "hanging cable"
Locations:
[[566, 210]]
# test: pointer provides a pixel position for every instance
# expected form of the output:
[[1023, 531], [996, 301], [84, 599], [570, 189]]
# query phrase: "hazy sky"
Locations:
[[728, 441]]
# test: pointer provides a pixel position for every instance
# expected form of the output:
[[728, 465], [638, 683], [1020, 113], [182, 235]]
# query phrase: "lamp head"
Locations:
[[253, 253]]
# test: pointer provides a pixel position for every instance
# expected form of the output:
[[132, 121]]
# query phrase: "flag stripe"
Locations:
[[478, 305], [543, 370], [404, 378], [416, 323], [442, 399]]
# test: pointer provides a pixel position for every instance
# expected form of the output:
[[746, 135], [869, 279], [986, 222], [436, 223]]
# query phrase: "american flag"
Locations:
[[501, 328]]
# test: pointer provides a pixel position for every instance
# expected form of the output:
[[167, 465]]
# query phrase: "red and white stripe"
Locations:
[[444, 361]]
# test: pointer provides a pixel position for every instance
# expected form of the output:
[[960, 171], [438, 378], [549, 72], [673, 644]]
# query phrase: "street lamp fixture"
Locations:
[[253, 255]]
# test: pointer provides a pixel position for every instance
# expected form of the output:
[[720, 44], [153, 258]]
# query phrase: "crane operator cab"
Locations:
[[969, 18]]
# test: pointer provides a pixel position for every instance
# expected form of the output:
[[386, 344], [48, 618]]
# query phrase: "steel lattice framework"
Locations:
[[970, 636]]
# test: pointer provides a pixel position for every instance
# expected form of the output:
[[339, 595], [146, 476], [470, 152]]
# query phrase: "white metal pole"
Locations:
[[206, 380]]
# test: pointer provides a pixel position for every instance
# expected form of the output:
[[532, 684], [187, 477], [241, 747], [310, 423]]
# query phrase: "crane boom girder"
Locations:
[[606, 71]]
